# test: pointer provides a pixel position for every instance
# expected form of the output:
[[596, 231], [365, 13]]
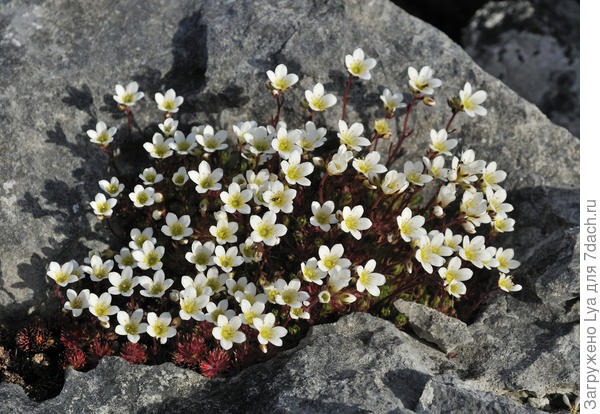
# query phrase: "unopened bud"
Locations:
[[438, 211], [158, 197], [105, 324], [347, 298], [157, 214], [429, 101], [174, 295], [318, 162], [176, 322], [469, 227], [382, 128]]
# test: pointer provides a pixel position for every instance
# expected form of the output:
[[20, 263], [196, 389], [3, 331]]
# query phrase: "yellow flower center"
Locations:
[[357, 67], [201, 259], [223, 233], [183, 146], [101, 309], [102, 207], [322, 217], [250, 315], [207, 182], [168, 105], [294, 172], [128, 98], [150, 177], [281, 84], [289, 296], [266, 332], [160, 150], [157, 289], [226, 261], [278, 199], [142, 198], [61, 277], [265, 231], [139, 241], [213, 283], [160, 329], [310, 273], [351, 222], [76, 303], [190, 306], [131, 327], [319, 103], [125, 285], [330, 261], [176, 229], [272, 294], [151, 259], [100, 273], [285, 145], [112, 189], [103, 137], [228, 333], [365, 278], [236, 201]]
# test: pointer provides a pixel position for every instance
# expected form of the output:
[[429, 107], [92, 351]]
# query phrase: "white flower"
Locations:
[[141, 196], [311, 137], [182, 144], [505, 260], [227, 331], [311, 271], [299, 313], [456, 288], [131, 326], [394, 182], [177, 228], [471, 102], [339, 161], [474, 250], [358, 65], [452, 240], [290, 293], [112, 188], [265, 230], [431, 250], [502, 223], [205, 178], [318, 100], [323, 215], [454, 273], [414, 173], [446, 195], [392, 102], [210, 141], [158, 326], [278, 198], [149, 256], [339, 278], [102, 206], [352, 137], [123, 283], [229, 259], [215, 280], [255, 180], [139, 237], [214, 311], [411, 227], [199, 283], [224, 231], [492, 177], [234, 286], [249, 251], [423, 81], [267, 332], [474, 207], [168, 127], [369, 166], [235, 199], [150, 176], [295, 171], [261, 142], [286, 142], [243, 131], [496, 201], [168, 102], [101, 135], [251, 311], [159, 147], [155, 287], [100, 306], [324, 296], [98, 270], [192, 305], [128, 95], [180, 177], [440, 142], [76, 303], [506, 284], [329, 259], [201, 255], [353, 221], [369, 280], [280, 79], [492, 261]]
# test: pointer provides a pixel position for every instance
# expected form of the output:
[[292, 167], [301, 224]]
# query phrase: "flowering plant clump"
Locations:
[[233, 242]]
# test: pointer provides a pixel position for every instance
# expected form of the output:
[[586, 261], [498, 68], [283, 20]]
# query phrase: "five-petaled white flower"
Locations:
[[268, 332], [101, 135], [62, 275], [506, 263], [159, 147], [168, 102], [149, 256], [112, 188], [296, 171], [139, 237], [100, 307], [98, 270], [236, 199], [358, 65], [368, 279], [311, 137], [214, 311], [352, 137], [201, 255], [491, 176], [369, 166], [181, 144], [330, 258], [339, 278], [102, 206], [290, 293], [149, 176], [311, 271], [205, 178], [323, 215], [456, 288], [142, 197], [75, 302], [278, 198], [431, 251], [229, 259], [266, 230], [423, 81], [394, 182], [453, 273], [474, 250], [191, 304], [210, 141], [122, 283], [411, 228], [155, 287], [224, 231], [177, 228], [280, 79], [339, 161], [506, 283], [414, 173], [168, 127], [227, 331], [286, 142], [440, 142], [180, 177], [131, 325], [159, 326], [471, 102], [127, 95], [318, 100], [392, 102], [502, 223], [353, 222], [251, 311], [436, 167]]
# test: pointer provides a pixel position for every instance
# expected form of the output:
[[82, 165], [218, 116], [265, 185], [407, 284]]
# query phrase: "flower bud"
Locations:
[[469, 227], [157, 214], [318, 162], [438, 211], [158, 197], [174, 295], [382, 128], [429, 101], [347, 298], [324, 296], [176, 322], [105, 324]]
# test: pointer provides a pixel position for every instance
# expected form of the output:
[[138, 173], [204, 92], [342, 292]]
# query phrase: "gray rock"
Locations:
[[444, 331], [533, 46]]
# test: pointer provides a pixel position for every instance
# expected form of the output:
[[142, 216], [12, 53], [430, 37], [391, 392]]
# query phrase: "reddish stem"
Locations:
[[321, 186], [392, 154], [454, 113], [129, 119], [348, 82], [275, 120]]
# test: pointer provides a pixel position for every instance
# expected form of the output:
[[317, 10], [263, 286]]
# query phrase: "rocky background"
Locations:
[[59, 61]]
